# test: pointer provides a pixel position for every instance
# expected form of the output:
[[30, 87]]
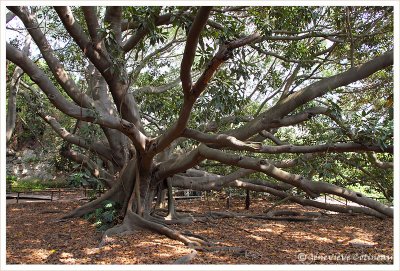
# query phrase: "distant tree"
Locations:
[[162, 96]]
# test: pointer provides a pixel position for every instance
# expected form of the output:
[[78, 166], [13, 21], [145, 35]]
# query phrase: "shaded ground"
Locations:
[[33, 238]]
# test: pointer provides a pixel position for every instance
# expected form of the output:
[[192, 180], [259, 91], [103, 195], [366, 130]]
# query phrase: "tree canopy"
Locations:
[[291, 101]]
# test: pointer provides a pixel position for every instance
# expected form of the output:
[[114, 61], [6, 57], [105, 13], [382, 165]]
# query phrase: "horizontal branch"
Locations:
[[208, 182], [304, 201], [312, 188], [230, 142], [299, 117], [213, 126], [327, 148], [221, 140]]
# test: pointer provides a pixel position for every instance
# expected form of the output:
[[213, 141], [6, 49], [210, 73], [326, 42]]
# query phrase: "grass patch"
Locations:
[[36, 184]]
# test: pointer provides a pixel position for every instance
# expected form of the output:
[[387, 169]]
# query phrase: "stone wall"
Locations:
[[28, 164]]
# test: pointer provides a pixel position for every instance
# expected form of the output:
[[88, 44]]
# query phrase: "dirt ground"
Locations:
[[33, 237]]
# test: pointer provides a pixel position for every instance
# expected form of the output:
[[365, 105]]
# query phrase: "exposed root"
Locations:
[[133, 222], [168, 220], [291, 216], [117, 193], [273, 215], [189, 233], [92, 205]]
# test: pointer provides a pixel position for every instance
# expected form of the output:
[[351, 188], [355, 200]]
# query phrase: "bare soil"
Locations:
[[33, 237]]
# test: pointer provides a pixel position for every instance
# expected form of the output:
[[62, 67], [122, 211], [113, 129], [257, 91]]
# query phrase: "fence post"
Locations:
[[17, 197]]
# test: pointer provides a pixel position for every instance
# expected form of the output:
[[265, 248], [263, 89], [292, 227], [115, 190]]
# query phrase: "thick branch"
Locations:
[[90, 14], [96, 147], [178, 164], [230, 142], [310, 187], [287, 105], [208, 182], [52, 61], [304, 201], [71, 109], [113, 16], [255, 164], [96, 55], [191, 45], [9, 17], [223, 54], [142, 32], [335, 147]]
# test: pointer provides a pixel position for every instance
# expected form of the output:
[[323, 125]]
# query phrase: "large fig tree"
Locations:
[[173, 93]]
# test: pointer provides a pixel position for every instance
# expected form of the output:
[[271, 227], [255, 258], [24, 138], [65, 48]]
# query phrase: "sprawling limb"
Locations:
[[126, 104], [95, 54], [190, 48], [230, 142], [293, 101], [224, 53], [71, 109], [307, 202], [310, 187], [56, 67], [90, 14]]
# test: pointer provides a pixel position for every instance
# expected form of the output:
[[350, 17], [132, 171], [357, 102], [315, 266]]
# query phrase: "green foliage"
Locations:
[[369, 191], [364, 108], [106, 216], [83, 179], [11, 181], [36, 184]]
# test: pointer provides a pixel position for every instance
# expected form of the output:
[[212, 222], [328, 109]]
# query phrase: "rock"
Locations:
[[28, 155]]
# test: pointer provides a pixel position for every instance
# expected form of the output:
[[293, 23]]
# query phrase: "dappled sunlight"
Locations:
[[76, 241], [38, 254]]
